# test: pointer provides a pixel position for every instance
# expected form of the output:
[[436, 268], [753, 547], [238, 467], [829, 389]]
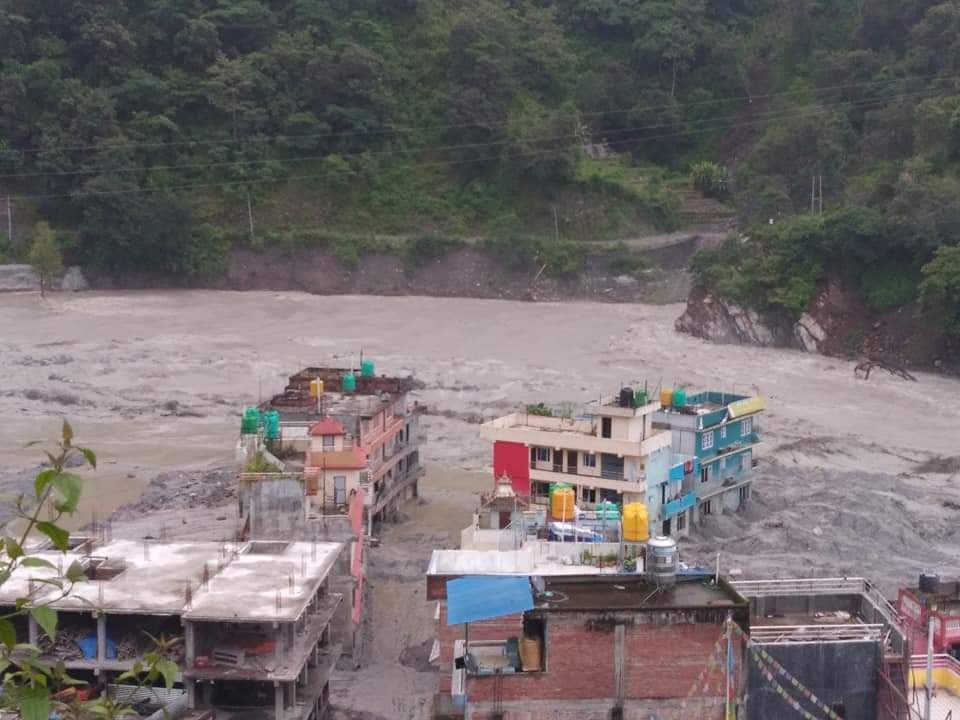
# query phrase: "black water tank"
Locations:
[[929, 583], [626, 397]]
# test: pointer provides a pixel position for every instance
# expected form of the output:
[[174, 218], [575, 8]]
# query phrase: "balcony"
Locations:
[[609, 480], [685, 502], [568, 434]]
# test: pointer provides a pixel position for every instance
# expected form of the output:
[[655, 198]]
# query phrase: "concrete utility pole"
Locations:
[[813, 194], [250, 216], [9, 221], [821, 193]]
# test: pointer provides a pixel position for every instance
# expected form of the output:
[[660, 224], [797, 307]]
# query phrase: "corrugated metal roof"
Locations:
[[481, 598]]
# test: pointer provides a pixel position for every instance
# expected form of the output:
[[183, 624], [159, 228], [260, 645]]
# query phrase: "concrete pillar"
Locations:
[[191, 687], [280, 637], [277, 701], [101, 637], [189, 643]]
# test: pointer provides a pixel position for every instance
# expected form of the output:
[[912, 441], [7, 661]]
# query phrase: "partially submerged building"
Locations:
[[261, 625], [343, 430], [721, 430], [608, 452], [681, 456]]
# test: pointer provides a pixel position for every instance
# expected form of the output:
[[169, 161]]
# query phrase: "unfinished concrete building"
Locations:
[[262, 628]]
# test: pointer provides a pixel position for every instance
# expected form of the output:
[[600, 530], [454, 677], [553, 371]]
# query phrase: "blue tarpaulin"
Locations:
[[481, 598]]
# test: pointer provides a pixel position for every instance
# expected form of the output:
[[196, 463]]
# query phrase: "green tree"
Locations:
[[45, 256], [940, 288], [30, 684]]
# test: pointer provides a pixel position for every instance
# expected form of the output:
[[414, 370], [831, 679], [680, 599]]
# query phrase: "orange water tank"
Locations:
[[562, 501]]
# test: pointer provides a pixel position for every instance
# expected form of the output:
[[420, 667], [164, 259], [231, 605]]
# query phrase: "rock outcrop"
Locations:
[[718, 320], [23, 278]]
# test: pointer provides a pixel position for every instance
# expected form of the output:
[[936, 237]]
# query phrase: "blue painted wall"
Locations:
[[732, 436]]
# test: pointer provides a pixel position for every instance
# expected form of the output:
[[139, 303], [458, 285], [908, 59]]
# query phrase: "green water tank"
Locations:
[[349, 382], [367, 368], [607, 510], [251, 421], [271, 425], [679, 398], [640, 398]]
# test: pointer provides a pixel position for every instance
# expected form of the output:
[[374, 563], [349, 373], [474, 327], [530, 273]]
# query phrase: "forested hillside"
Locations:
[[150, 132]]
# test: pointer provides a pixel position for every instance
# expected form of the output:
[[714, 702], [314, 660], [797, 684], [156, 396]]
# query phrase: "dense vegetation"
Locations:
[[147, 133]]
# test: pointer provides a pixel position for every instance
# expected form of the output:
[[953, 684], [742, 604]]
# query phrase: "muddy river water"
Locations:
[[157, 380]]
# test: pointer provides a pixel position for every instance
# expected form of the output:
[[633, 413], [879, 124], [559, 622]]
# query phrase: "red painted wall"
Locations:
[[512, 459]]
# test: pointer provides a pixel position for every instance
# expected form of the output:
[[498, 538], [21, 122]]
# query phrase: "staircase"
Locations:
[[894, 688], [697, 210]]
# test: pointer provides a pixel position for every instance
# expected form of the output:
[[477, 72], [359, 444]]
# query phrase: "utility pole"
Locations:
[[250, 216], [813, 194], [9, 222], [556, 225], [821, 193]]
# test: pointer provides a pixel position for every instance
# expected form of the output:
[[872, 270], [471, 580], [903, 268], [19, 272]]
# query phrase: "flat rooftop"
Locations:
[[152, 578], [535, 558], [634, 592], [257, 585]]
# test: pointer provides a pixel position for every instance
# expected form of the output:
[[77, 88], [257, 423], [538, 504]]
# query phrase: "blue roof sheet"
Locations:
[[480, 598]]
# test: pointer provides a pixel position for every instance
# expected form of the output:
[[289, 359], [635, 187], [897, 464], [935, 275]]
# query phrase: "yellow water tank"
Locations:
[[666, 398], [636, 524], [316, 388], [562, 501]]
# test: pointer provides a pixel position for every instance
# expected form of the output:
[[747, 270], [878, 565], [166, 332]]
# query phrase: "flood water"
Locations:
[[157, 380]]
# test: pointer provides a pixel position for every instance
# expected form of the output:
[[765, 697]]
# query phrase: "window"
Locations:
[[606, 427], [540, 489], [543, 454], [746, 426], [723, 432], [588, 495], [706, 440], [339, 489], [589, 460], [723, 463], [707, 508], [681, 521], [328, 441], [704, 474], [744, 493]]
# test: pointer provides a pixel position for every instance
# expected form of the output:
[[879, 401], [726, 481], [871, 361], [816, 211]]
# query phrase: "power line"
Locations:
[[619, 131], [430, 128], [440, 163]]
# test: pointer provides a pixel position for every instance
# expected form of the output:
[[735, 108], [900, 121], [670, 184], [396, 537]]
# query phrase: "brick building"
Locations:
[[591, 648]]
